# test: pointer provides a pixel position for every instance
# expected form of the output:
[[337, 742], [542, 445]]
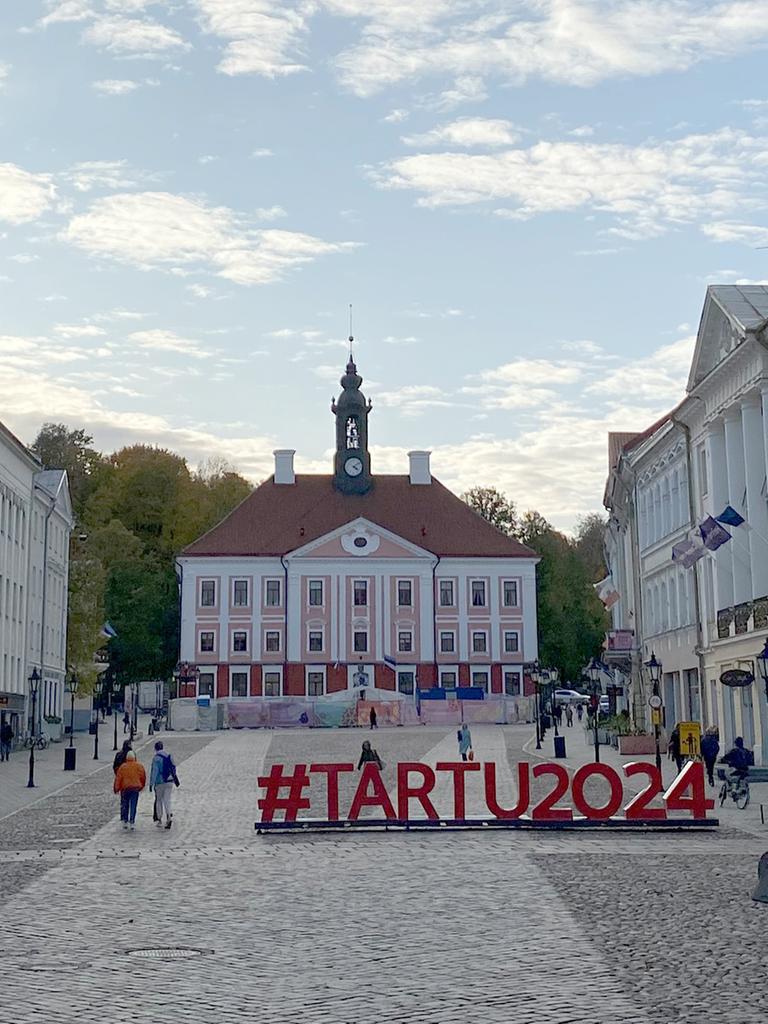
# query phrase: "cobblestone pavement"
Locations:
[[388, 927]]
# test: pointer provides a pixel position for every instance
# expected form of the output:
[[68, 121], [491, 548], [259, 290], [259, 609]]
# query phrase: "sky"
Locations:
[[523, 200]]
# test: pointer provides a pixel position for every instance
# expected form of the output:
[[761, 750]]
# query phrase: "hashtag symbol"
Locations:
[[277, 782]]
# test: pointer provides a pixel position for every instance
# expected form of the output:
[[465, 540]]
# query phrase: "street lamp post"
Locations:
[[34, 682], [654, 671], [114, 711], [594, 676], [134, 710], [96, 701], [762, 662], [535, 681], [70, 754], [553, 674]]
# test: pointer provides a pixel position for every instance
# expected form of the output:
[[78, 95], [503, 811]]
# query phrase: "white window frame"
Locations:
[[206, 632], [476, 670], [279, 633], [516, 584], [232, 641], [411, 670], [320, 670], [309, 593], [452, 634], [512, 672], [515, 633], [484, 634], [405, 650], [367, 593], [310, 631], [279, 582], [235, 602], [367, 632], [272, 670], [452, 583], [472, 583], [240, 670], [212, 694], [409, 581], [446, 670], [207, 579]]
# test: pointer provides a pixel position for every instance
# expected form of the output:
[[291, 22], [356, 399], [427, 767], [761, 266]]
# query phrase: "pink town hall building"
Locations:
[[317, 584]]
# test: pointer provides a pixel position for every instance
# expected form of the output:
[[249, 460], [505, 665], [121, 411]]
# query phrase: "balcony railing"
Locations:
[[746, 617]]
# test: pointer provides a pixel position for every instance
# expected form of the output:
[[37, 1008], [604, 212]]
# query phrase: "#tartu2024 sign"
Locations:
[[287, 790]]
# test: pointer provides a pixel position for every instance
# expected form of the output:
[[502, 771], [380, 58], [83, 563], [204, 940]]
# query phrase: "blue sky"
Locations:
[[523, 201]]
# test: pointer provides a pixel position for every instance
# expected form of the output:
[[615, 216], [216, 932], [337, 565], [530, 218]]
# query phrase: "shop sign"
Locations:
[[737, 677]]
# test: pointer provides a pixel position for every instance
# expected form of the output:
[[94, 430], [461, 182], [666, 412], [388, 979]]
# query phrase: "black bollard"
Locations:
[[760, 894]]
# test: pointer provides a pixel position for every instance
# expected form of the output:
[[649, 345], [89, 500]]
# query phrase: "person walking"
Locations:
[[465, 742], [6, 739], [121, 755], [579, 712], [372, 717], [710, 748], [569, 715], [126, 723], [675, 751], [369, 754], [129, 782], [163, 778]]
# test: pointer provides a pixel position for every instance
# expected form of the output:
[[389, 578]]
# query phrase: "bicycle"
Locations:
[[39, 742], [735, 786]]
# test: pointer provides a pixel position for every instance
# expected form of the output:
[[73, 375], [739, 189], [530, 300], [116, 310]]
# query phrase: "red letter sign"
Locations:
[[405, 791]]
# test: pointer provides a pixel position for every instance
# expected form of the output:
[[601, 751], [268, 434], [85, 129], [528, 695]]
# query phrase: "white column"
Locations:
[[294, 627], [718, 485], [756, 513], [734, 451]]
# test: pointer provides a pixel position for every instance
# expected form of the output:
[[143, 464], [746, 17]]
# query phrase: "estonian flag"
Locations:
[[730, 517], [108, 631]]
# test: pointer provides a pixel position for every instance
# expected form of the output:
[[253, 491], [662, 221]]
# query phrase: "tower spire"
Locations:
[[351, 336]]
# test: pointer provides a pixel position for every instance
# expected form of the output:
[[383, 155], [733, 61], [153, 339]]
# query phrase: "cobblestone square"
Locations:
[[334, 929]]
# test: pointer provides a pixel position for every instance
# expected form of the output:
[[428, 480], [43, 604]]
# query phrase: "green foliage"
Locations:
[[136, 509], [571, 619], [590, 533], [493, 506]]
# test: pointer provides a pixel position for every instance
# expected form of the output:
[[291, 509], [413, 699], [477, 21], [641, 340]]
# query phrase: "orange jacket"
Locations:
[[130, 775]]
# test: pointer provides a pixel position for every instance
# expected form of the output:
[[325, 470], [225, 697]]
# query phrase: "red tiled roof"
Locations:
[[278, 518]]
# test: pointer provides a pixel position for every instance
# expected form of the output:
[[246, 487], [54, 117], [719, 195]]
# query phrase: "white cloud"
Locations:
[[115, 86], [408, 340], [133, 35], [161, 230], [79, 330], [658, 379], [646, 187], [66, 10], [199, 291], [396, 116], [467, 131], [100, 173], [414, 399], [568, 41], [584, 131], [5, 70], [209, 158], [24, 257], [167, 341], [23, 196], [263, 37], [260, 154], [466, 89], [727, 231]]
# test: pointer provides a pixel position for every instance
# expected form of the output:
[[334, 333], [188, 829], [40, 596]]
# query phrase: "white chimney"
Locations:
[[419, 467], [284, 473]]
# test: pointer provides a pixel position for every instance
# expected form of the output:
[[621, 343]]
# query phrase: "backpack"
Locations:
[[168, 771]]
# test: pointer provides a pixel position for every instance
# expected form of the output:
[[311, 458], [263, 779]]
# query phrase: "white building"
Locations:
[[709, 453], [316, 579], [35, 526]]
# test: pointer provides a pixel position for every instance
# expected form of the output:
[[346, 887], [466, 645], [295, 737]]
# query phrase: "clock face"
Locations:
[[353, 467]]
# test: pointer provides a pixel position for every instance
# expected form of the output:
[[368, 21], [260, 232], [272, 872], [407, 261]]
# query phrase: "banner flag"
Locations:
[[388, 660], [606, 591], [688, 552], [108, 631], [713, 534], [731, 517]]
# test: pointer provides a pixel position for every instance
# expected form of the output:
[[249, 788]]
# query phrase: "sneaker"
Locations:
[[168, 824], [133, 827], [159, 824], [125, 826]]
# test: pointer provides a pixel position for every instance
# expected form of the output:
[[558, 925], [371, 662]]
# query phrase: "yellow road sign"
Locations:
[[690, 738], [655, 716]]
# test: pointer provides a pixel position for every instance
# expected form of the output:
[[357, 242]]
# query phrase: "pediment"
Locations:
[[719, 335], [358, 540]]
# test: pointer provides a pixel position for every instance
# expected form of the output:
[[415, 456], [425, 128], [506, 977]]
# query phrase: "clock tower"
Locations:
[[352, 463]]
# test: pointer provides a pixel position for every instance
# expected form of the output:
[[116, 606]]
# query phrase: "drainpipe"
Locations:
[[285, 637], [696, 595], [434, 620]]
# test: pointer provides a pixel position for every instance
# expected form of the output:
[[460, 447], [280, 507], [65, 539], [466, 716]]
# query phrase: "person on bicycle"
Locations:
[[738, 759]]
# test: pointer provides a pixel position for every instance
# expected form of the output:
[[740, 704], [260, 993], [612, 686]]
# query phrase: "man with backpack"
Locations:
[[162, 778]]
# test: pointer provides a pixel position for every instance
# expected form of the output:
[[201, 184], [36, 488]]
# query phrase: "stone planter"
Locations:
[[637, 745]]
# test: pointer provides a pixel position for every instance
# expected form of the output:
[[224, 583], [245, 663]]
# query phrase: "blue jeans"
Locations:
[[129, 801], [5, 751]]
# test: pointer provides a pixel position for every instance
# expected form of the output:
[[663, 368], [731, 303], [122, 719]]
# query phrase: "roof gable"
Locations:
[[731, 314], [360, 539], [276, 519]]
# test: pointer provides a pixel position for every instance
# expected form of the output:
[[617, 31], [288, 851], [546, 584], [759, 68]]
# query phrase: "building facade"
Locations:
[[319, 584], [35, 526], [702, 609]]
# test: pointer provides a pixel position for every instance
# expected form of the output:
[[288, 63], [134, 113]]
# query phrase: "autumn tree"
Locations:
[[493, 506]]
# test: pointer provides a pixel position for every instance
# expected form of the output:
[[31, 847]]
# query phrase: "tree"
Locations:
[[590, 544], [58, 447], [85, 616], [493, 506]]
